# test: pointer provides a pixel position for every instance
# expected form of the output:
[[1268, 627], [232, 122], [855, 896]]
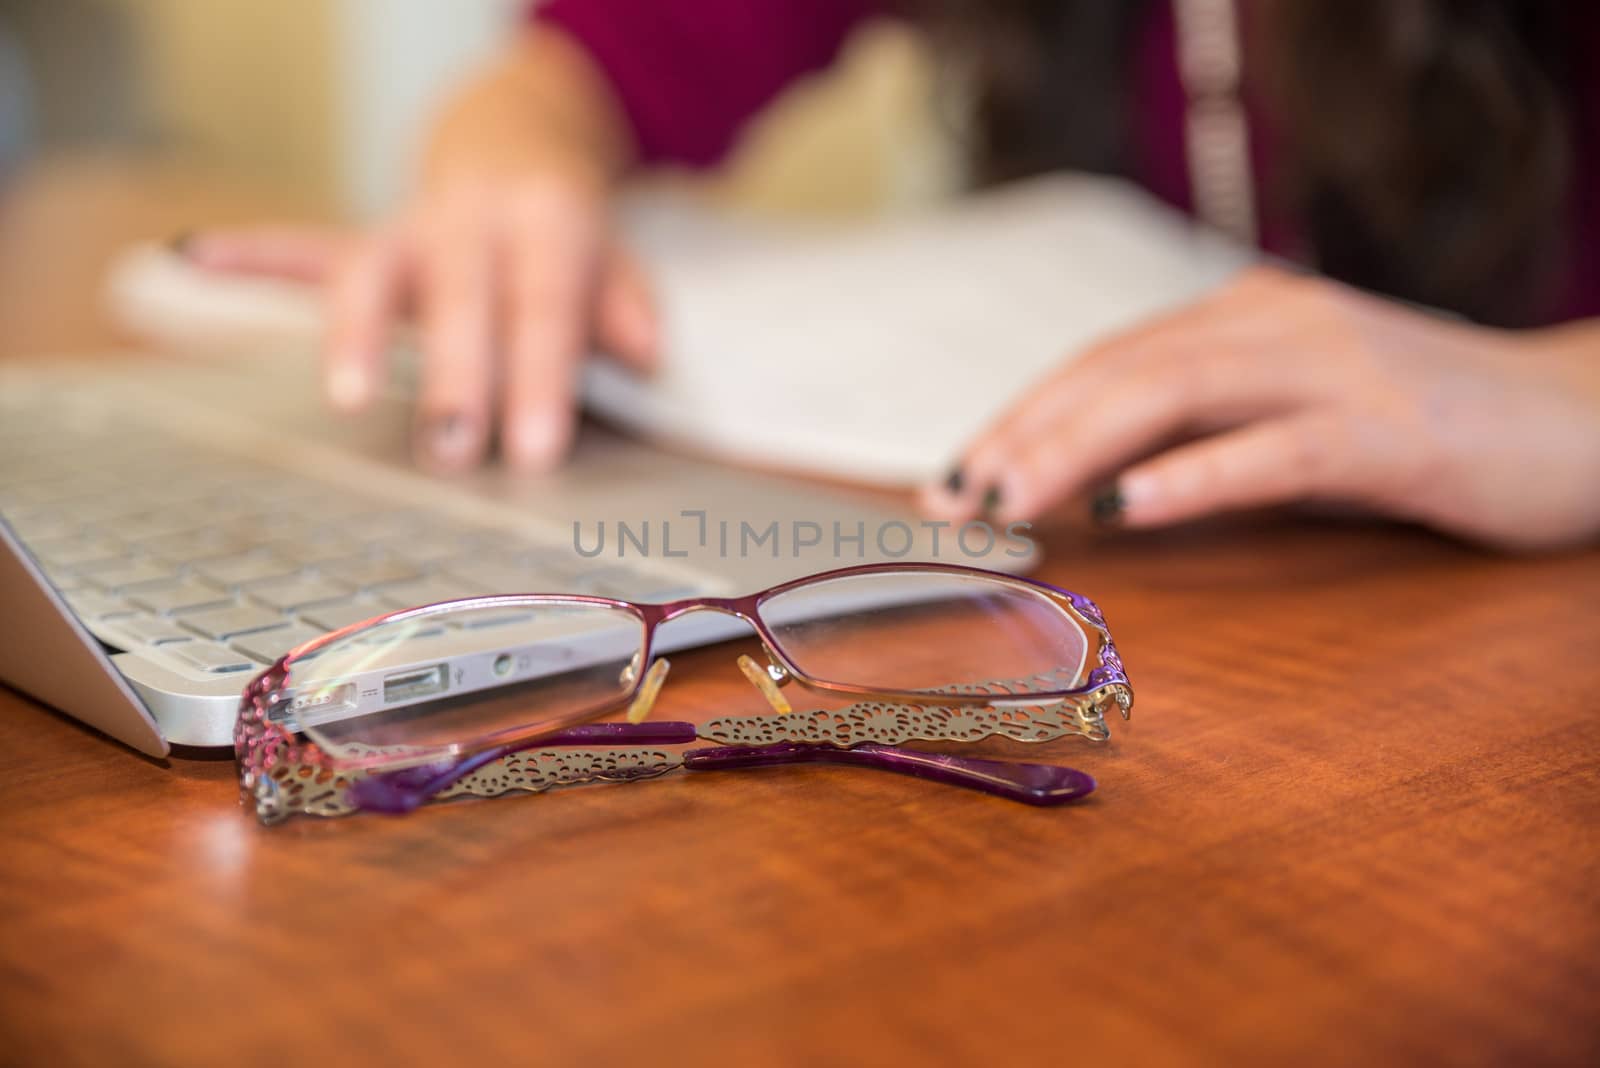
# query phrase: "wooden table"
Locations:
[[1356, 819]]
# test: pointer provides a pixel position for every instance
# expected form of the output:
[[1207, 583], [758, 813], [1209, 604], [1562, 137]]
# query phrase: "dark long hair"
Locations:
[[1427, 140]]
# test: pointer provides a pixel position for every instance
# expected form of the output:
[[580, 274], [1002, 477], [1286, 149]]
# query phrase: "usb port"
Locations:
[[410, 685]]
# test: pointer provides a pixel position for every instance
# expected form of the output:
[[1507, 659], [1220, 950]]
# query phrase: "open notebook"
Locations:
[[866, 352]]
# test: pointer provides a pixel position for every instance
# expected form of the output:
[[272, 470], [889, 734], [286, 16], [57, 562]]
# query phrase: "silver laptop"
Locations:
[[168, 529]]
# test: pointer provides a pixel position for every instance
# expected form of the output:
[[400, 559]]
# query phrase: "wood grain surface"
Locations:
[[1355, 820]]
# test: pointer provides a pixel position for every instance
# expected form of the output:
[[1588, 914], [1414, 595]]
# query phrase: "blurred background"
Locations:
[[123, 120], [325, 98]]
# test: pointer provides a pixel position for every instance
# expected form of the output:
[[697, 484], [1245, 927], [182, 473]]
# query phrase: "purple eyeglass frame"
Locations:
[[263, 746]]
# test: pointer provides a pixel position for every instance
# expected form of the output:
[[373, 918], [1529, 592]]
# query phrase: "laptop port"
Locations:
[[317, 704], [411, 685]]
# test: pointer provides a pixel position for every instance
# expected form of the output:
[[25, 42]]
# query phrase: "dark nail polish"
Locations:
[[991, 498], [1106, 507], [955, 480]]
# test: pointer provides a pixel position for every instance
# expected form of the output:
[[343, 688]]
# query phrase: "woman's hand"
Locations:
[[1283, 388], [504, 258]]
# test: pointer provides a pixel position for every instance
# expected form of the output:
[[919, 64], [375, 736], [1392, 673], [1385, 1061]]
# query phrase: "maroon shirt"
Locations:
[[691, 73]]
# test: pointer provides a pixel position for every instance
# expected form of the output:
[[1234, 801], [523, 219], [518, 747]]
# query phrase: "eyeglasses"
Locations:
[[489, 695]]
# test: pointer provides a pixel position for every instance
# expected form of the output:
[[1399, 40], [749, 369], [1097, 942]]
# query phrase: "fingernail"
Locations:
[[180, 243], [448, 441], [1106, 508], [534, 441], [991, 499], [954, 481], [347, 386]]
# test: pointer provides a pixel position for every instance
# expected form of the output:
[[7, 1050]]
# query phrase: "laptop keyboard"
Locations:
[[215, 564]]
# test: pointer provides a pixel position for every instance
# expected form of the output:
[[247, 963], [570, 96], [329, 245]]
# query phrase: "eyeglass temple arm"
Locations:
[[1032, 784], [410, 788]]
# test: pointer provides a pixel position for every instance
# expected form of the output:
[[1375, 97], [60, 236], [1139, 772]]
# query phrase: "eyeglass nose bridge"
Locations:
[[743, 607], [769, 679]]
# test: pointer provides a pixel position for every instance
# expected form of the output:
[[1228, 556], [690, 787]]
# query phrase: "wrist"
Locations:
[[1571, 354], [543, 100]]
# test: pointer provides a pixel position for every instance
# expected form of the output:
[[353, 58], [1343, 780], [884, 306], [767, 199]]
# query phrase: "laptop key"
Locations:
[[126, 574], [189, 544], [185, 596], [137, 527], [77, 551], [385, 523], [94, 605], [66, 582], [365, 572], [499, 575], [297, 592], [310, 548], [428, 590], [268, 645], [623, 582], [43, 523], [426, 546], [210, 657], [336, 615], [148, 630], [233, 620], [243, 568], [107, 508]]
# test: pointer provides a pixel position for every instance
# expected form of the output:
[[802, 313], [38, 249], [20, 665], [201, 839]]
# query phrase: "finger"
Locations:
[[550, 257], [1124, 424], [295, 253], [362, 302], [973, 484], [1141, 350], [456, 298], [1263, 464], [1252, 316], [625, 315], [1197, 380]]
